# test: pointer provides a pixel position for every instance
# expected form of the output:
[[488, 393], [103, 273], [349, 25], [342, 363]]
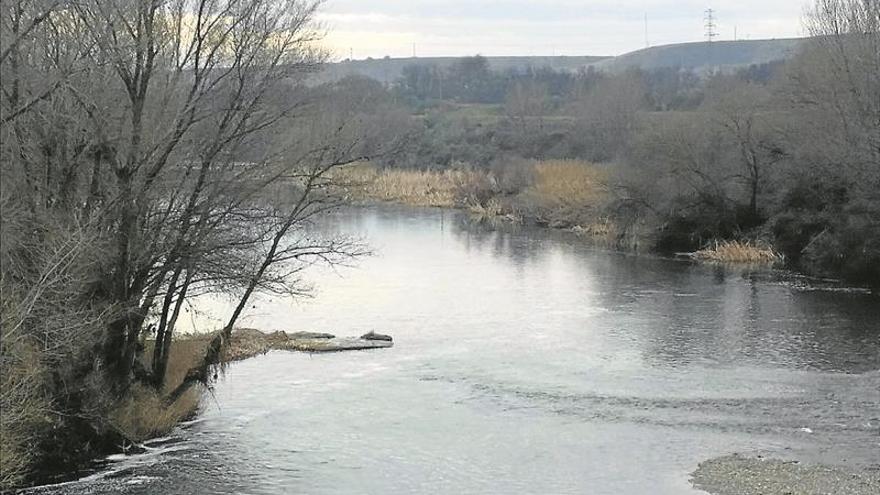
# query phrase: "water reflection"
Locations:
[[527, 362]]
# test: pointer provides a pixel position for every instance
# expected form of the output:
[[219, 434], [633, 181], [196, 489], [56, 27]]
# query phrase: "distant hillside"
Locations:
[[698, 56], [389, 69], [704, 55]]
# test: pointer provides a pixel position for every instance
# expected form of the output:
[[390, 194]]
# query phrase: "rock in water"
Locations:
[[311, 335], [336, 344], [376, 336]]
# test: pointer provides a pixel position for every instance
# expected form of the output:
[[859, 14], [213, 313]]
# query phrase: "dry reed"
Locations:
[[568, 182], [412, 187], [738, 252], [143, 415]]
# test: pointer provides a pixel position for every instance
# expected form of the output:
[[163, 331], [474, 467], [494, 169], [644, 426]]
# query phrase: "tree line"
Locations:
[[785, 152]]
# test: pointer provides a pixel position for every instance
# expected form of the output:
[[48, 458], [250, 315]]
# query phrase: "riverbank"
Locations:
[[740, 475], [144, 413], [563, 194], [571, 195], [588, 199], [518, 336]]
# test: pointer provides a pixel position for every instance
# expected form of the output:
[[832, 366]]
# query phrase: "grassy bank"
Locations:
[[144, 415], [141, 414], [447, 188], [39, 443], [568, 194], [556, 193]]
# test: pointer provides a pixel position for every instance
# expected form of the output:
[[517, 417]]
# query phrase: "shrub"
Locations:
[[738, 252]]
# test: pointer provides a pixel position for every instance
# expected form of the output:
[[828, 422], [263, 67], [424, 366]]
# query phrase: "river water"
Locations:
[[524, 362]]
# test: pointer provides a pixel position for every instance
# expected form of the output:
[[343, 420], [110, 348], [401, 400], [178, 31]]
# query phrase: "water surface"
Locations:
[[524, 362]]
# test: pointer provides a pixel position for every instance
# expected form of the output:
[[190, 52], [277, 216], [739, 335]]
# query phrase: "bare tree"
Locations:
[[744, 113], [526, 100], [175, 146], [838, 76], [607, 114]]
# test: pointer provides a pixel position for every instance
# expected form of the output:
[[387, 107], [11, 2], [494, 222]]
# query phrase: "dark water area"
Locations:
[[525, 361]]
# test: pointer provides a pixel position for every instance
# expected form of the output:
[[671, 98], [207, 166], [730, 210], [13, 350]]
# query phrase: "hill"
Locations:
[[699, 56], [704, 55]]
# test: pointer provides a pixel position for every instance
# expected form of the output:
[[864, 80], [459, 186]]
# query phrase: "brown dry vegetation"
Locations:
[[413, 187], [558, 193], [738, 252], [569, 182], [28, 412], [144, 414], [566, 193]]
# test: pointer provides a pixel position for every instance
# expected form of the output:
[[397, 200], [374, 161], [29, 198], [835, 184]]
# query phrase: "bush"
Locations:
[[512, 175], [738, 252], [823, 231]]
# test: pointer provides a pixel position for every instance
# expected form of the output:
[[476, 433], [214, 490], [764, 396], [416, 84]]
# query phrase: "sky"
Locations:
[[397, 28]]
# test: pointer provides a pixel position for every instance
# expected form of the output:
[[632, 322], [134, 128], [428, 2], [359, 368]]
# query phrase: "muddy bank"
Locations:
[[741, 475]]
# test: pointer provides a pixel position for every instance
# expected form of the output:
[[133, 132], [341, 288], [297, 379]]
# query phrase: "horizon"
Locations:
[[433, 28], [432, 57]]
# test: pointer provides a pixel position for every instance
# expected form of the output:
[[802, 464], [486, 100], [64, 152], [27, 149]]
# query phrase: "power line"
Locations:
[[711, 26]]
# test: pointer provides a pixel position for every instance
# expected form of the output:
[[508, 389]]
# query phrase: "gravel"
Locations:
[[740, 475]]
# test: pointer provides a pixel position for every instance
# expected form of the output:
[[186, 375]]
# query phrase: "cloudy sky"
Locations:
[[376, 28]]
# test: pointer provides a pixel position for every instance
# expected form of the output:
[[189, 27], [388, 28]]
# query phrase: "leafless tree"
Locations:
[[744, 114], [176, 143]]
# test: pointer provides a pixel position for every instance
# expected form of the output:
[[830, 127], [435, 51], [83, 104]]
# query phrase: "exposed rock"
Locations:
[[248, 342], [376, 336], [310, 335], [336, 344]]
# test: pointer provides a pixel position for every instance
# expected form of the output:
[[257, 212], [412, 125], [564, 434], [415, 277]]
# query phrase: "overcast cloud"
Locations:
[[377, 28]]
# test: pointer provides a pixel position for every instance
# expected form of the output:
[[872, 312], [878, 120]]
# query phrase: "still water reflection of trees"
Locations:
[[690, 313]]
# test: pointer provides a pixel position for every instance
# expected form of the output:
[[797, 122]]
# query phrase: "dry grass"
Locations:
[[142, 415], [559, 193], [738, 252], [568, 182], [446, 188], [565, 193]]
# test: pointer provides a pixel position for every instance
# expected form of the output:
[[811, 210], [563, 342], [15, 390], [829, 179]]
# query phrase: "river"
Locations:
[[525, 361]]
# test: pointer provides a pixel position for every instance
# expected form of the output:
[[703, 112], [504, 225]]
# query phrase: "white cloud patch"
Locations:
[[562, 27]]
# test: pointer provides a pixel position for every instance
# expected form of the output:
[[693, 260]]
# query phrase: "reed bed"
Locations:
[[558, 193], [569, 182], [738, 252], [447, 188]]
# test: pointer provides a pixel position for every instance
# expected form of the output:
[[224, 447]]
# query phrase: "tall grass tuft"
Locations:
[[447, 188], [738, 252], [143, 414]]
